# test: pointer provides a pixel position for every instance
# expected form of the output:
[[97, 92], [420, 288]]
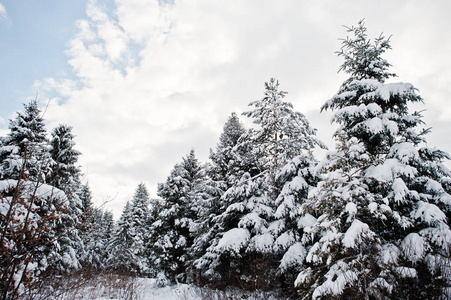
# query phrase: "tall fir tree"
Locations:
[[282, 142], [282, 133], [64, 174], [172, 231], [122, 258], [31, 209], [222, 173], [140, 214], [96, 230], [380, 227], [25, 148], [224, 159], [128, 244]]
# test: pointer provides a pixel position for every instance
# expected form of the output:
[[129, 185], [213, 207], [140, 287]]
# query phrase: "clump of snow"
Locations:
[[262, 243], [440, 235], [389, 254], [429, 213], [386, 171], [400, 190], [374, 125], [406, 272], [355, 233], [413, 247], [294, 256], [372, 207], [303, 277], [351, 209], [398, 88], [252, 220], [337, 278], [306, 220], [233, 240], [404, 152], [285, 240]]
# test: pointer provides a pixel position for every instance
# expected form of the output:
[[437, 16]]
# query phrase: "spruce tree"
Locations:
[[380, 227], [282, 133], [256, 206], [64, 174], [172, 231], [122, 258], [224, 159], [140, 220], [222, 173], [128, 244], [25, 148], [96, 230], [31, 209]]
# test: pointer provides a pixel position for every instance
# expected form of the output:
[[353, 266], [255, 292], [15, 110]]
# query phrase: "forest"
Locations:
[[369, 220]]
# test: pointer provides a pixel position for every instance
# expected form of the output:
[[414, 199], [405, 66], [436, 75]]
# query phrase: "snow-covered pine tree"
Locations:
[[221, 174], [96, 230], [172, 234], [223, 159], [282, 133], [27, 223], [100, 236], [26, 139], [122, 258], [296, 179], [30, 208], [87, 207], [281, 148], [155, 208], [381, 229], [128, 244], [242, 243], [65, 175], [140, 220]]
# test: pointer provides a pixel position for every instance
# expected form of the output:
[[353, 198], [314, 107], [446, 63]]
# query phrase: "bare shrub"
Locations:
[[81, 285]]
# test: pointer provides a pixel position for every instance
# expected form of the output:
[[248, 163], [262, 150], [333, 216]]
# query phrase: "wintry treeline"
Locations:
[[46, 213], [367, 221], [370, 220]]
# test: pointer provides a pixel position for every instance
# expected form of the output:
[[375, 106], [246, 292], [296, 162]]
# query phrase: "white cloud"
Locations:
[[4, 15], [154, 80]]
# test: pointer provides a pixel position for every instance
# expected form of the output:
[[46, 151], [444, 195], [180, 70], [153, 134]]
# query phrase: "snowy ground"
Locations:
[[149, 289]]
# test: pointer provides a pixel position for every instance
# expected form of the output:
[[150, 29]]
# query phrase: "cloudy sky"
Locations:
[[142, 82]]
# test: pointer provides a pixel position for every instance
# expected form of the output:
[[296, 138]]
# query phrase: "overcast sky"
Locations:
[[143, 82]]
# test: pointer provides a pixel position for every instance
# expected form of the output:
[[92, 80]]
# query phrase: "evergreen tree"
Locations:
[[128, 246], [381, 229], [279, 150], [155, 208], [27, 229], [282, 133], [87, 207], [65, 175], [224, 160], [122, 258], [140, 222], [222, 174], [242, 238], [96, 230], [31, 209], [172, 232], [25, 148]]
